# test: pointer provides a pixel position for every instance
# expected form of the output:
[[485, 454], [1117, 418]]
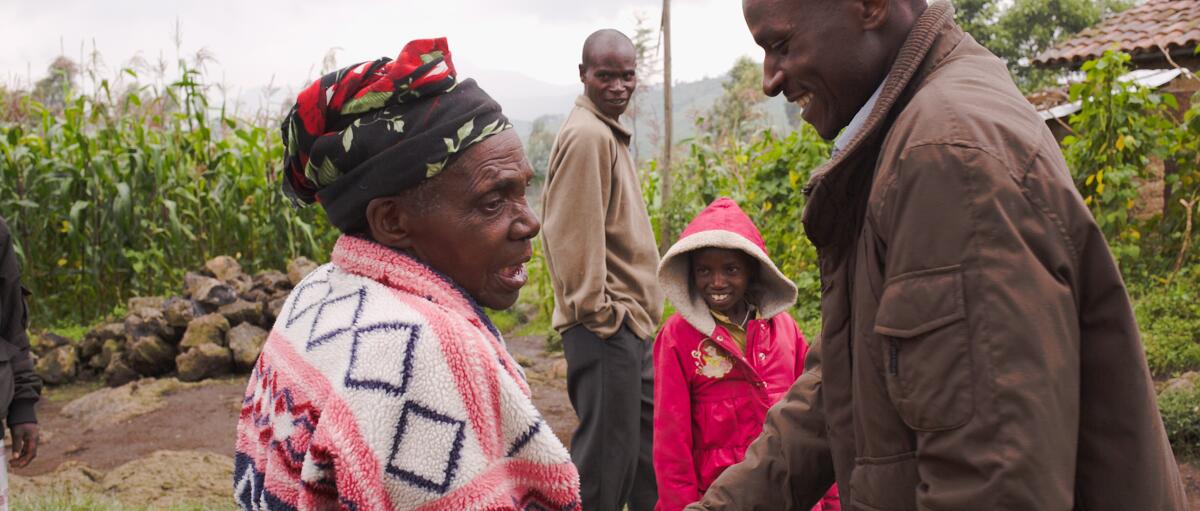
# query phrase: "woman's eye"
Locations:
[[493, 205], [780, 47]]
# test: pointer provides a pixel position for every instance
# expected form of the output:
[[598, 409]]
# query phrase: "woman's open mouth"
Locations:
[[514, 277]]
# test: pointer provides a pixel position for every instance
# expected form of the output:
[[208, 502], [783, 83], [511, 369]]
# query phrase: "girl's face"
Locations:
[[721, 276]]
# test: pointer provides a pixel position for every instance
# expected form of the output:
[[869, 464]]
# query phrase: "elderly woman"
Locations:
[[383, 385]]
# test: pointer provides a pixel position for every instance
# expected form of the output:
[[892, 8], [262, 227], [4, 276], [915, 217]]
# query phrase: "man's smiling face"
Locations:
[[817, 55]]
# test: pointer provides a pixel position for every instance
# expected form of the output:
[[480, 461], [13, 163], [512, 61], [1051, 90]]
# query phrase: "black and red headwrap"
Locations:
[[378, 128]]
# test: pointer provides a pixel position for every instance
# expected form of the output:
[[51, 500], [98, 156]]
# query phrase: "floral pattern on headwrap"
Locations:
[[378, 128]]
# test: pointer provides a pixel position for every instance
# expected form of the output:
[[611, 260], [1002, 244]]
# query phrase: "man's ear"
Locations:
[[582, 72], [874, 14], [389, 222]]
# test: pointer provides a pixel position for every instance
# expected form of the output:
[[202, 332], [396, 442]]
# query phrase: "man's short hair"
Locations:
[[600, 39]]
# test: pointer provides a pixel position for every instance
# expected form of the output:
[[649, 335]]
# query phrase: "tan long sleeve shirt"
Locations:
[[598, 241]]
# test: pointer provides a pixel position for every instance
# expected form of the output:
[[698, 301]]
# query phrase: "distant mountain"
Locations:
[[522, 103], [524, 98]]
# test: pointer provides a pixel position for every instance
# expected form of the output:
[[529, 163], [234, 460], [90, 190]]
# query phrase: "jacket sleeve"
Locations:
[[789, 466], [576, 205], [13, 321], [674, 466], [982, 328]]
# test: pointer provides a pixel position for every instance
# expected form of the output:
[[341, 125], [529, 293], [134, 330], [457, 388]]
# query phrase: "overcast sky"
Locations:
[[255, 41]]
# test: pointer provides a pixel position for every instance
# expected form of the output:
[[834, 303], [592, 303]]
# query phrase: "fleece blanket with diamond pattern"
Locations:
[[384, 386]]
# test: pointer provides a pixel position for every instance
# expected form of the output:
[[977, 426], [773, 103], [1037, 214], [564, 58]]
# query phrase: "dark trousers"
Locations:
[[611, 385]]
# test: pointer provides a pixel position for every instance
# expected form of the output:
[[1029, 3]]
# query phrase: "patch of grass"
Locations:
[[538, 325], [71, 392], [506, 320], [74, 333], [73, 501]]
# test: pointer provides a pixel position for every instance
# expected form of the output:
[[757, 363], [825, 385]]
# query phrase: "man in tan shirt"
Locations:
[[602, 256]]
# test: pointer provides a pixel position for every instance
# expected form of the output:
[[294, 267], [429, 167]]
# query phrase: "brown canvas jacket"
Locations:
[[979, 350], [19, 386]]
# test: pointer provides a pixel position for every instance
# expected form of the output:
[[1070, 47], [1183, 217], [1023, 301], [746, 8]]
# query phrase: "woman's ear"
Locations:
[[389, 222]]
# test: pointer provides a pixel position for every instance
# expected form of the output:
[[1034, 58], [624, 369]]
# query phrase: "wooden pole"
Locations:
[[665, 169]]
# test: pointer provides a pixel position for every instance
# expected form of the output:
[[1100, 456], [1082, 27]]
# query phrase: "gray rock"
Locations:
[[89, 347], [241, 284], [242, 311], [145, 302], [111, 349], [209, 291], [119, 373], [47, 342], [53, 340], [149, 322], [299, 268], [1179, 385], [272, 280], [209, 328], [246, 342], [150, 355], [223, 267], [180, 311], [274, 307], [109, 331], [204, 361], [59, 366], [256, 294]]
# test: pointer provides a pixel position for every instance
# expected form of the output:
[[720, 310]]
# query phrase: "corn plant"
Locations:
[[121, 191]]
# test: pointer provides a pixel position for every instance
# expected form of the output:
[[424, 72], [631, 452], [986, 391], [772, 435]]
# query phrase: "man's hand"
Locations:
[[25, 443]]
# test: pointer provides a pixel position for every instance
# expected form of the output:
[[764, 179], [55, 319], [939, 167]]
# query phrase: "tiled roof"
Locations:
[[1171, 24]]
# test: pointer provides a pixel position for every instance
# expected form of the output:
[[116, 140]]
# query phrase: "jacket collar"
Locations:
[[619, 130], [834, 188], [403, 273]]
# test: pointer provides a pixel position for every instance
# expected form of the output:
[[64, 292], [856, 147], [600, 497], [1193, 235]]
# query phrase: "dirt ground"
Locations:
[[197, 425], [202, 418]]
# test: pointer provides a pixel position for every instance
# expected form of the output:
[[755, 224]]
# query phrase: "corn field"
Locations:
[[119, 192]]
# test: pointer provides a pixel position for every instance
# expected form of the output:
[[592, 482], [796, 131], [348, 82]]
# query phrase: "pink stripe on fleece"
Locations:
[[393, 270], [401, 273], [356, 466], [509, 480]]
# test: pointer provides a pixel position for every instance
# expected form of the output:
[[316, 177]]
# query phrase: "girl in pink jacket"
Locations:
[[728, 354]]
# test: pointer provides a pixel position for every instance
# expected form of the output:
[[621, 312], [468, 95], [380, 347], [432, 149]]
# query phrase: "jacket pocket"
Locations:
[[885, 483], [927, 351]]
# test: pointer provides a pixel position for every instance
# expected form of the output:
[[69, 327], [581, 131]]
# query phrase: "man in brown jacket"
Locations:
[[602, 257], [978, 348], [19, 386]]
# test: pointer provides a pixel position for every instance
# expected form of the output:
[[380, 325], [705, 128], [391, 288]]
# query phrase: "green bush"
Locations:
[[1169, 318], [1181, 416]]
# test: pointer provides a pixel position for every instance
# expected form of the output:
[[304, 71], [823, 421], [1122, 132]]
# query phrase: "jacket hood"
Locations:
[[722, 225]]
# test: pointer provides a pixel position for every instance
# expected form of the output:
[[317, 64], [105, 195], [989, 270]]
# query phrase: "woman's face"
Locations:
[[477, 231]]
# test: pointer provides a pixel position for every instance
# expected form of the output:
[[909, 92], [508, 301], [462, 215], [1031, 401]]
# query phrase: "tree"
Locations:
[[1026, 28], [645, 47], [60, 77], [537, 147], [736, 116]]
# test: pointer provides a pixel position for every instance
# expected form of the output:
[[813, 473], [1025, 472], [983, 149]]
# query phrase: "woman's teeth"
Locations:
[[719, 297], [514, 272]]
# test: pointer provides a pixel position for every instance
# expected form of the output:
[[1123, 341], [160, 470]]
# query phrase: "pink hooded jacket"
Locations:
[[710, 397]]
